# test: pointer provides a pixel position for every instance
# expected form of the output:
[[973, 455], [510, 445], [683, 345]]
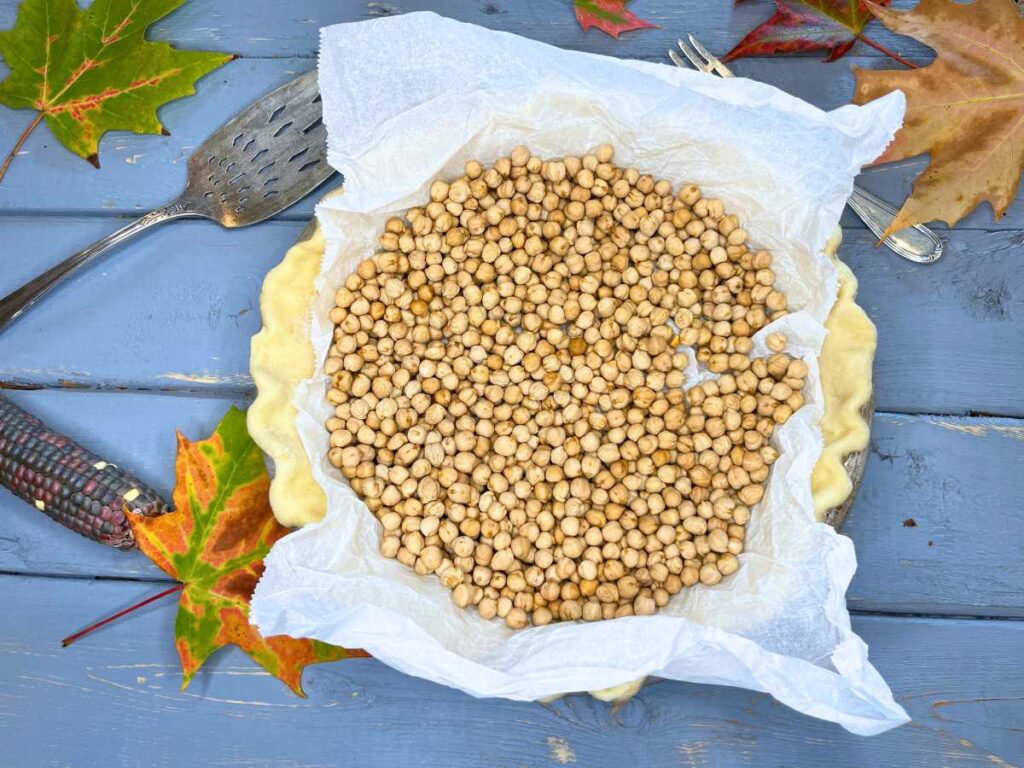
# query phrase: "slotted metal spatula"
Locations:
[[260, 162]]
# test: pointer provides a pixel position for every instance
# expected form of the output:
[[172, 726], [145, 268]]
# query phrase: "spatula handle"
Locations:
[[16, 302]]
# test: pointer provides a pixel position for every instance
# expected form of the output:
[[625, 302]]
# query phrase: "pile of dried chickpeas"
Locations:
[[507, 380]]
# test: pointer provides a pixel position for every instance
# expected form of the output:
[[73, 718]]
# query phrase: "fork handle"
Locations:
[[16, 302], [918, 243]]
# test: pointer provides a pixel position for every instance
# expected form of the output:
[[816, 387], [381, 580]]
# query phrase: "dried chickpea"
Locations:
[[506, 384]]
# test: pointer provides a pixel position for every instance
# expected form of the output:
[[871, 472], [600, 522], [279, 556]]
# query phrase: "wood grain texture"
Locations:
[[949, 337], [954, 478], [132, 430], [949, 332], [175, 309], [138, 173], [113, 698], [929, 485], [290, 29], [142, 172], [936, 524]]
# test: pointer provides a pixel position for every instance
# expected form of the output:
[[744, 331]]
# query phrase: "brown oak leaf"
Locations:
[[965, 109]]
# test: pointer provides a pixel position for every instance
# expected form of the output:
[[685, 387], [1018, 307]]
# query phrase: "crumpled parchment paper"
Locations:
[[411, 98]]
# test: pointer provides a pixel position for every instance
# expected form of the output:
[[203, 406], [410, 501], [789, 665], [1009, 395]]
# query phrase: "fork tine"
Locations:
[[714, 63], [708, 56], [677, 60], [694, 57]]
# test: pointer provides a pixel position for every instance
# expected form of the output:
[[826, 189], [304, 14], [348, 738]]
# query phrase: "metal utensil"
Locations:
[[918, 243], [257, 164]]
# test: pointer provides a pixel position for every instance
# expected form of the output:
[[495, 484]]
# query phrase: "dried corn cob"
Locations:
[[71, 485]]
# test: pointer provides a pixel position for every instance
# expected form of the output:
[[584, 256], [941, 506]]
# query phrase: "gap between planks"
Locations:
[[213, 387], [121, 216], [158, 580]]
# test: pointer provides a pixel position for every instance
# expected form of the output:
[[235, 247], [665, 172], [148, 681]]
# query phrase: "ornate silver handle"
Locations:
[[16, 302], [918, 243]]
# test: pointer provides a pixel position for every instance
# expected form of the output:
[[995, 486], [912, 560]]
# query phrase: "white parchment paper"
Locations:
[[411, 98]]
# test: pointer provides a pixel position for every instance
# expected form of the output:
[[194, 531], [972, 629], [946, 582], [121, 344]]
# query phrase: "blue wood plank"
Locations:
[[114, 699], [176, 310], [929, 485], [948, 333], [145, 320], [142, 172], [138, 173], [956, 479], [290, 29], [131, 430]]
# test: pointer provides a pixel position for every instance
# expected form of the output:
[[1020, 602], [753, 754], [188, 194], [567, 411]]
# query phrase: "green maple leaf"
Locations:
[[92, 71]]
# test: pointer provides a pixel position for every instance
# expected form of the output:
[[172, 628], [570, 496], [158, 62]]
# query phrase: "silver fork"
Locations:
[[918, 243]]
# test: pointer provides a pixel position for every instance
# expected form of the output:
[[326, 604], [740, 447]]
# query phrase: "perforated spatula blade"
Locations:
[[262, 161], [256, 165]]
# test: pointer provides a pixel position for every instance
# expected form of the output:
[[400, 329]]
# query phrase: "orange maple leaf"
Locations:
[[214, 543]]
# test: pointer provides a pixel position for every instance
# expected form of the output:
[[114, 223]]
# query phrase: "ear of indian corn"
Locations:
[[69, 483]]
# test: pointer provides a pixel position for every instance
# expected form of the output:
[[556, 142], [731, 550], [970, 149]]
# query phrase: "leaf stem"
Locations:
[[78, 635], [18, 144], [887, 52]]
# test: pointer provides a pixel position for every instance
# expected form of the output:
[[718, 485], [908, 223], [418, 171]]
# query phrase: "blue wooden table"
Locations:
[[156, 338]]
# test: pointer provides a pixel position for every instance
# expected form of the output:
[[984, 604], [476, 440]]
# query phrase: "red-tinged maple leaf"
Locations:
[[810, 25], [92, 71], [214, 543], [609, 16]]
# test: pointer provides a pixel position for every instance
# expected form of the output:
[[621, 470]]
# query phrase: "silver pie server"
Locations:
[[259, 163]]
